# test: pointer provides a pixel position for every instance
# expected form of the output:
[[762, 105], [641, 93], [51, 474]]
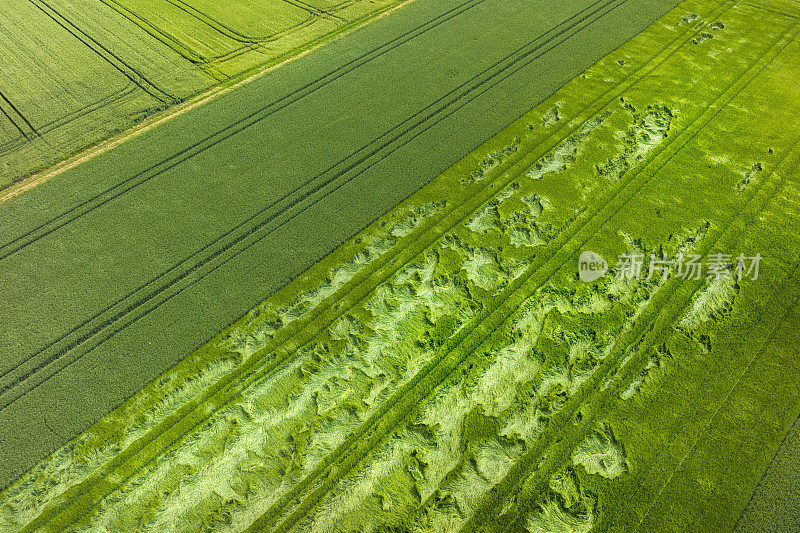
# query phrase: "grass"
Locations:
[[446, 370]]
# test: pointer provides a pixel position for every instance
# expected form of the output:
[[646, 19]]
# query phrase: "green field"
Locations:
[[72, 75], [447, 370], [119, 268]]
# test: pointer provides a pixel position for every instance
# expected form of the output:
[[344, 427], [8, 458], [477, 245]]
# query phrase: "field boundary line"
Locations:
[[676, 432], [711, 420], [772, 460], [794, 153]]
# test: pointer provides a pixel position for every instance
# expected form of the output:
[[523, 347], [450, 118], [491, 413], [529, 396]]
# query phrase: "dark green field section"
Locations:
[[116, 270]]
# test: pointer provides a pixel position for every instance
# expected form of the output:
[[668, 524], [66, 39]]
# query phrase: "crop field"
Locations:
[[117, 269], [773, 505], [73, 74], [226, 39], [449, 368]]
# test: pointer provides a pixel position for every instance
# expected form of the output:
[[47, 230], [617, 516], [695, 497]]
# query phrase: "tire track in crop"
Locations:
[[179, 422], [129, 89], [228, 32], [232, 34], [325, 13], [17, 126], [771, 8], [30, 367], [17, 113], [7, 148], [104, 53], [13, 143], [353, 449], [623, 376], [169, 40], [154, 31], [127, 184]]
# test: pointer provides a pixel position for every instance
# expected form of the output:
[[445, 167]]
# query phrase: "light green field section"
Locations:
[[446, 370], [249, 19], [775, 504], [75, 80], [73, 74]]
